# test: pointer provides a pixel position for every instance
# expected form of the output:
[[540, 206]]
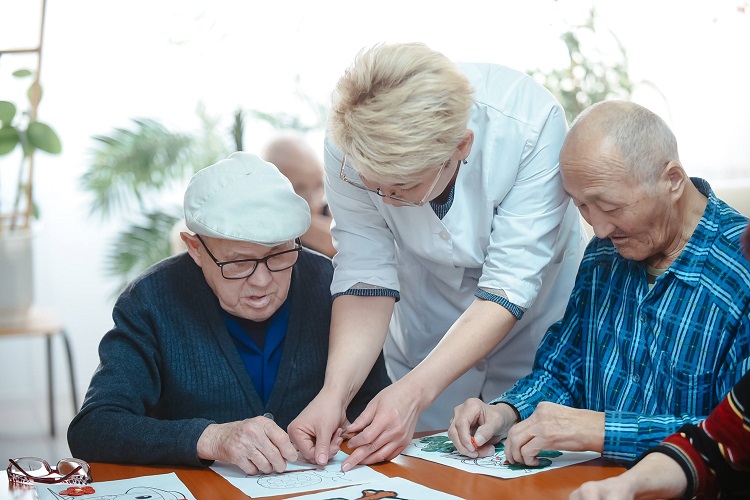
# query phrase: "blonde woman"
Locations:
[[457, 244]]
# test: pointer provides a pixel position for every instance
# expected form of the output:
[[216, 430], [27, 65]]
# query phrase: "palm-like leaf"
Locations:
[[141, 246], [128, 164], [238, 129], [210, 145], [132, 166], [587, 79]]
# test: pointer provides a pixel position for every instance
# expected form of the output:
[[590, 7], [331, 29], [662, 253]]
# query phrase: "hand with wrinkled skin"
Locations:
[[386, 426], [317, 431], [554, 427], [257, 445], [656, 476], [487, 424], [608, 489]]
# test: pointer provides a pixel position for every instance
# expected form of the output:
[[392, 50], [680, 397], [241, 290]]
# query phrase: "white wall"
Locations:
[[106, 62]]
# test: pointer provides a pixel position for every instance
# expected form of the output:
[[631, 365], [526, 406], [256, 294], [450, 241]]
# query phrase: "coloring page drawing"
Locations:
[[298, 478], [158, 487], [440, 449], [395, 488]]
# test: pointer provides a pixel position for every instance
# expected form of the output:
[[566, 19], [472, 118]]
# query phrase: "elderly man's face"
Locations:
[[256, 297], [638, 219]]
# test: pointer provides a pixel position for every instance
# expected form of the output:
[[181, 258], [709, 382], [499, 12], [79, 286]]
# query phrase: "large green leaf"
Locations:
[[8, 140], [21, 73], [142, 245], [7, 112], [130, 165], [34, 94], [41, 136]]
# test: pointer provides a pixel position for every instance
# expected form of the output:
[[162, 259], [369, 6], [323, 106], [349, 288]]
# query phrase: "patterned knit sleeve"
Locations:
[[715, 454]]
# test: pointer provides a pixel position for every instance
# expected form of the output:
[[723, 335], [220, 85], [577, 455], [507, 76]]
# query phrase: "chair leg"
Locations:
[[71, 369], [50, 388]]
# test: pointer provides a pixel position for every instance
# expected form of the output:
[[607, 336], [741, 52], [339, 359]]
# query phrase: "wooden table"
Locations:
[[207, 485]]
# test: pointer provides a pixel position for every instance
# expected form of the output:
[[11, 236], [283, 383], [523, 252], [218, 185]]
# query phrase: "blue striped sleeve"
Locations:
[[370, 292], [557, 375], [628, 434], [497, 299]]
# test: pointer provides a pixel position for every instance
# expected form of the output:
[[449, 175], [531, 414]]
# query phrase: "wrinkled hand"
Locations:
[[656, 476], [385, 427], [554, 427], [488, 424], [256, 445], [613, 488], [317, 431]]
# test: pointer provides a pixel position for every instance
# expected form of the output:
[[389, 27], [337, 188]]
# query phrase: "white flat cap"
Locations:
[[245, 198]]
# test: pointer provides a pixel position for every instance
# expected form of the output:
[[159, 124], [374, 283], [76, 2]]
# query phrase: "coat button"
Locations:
[[445, 235], [481, 365]]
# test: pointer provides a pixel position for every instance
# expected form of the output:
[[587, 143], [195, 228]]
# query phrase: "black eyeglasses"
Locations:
[[28, 470], [244, 268]]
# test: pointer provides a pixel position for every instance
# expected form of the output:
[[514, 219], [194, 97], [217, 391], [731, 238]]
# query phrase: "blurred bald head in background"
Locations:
[[296, 159]]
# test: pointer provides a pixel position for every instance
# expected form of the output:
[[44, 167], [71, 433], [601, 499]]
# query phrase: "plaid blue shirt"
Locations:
[[650, 360]]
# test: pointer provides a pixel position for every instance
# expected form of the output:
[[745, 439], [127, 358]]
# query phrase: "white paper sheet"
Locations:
[[159, 487], [326, 477], [394, 487], [440, 449]]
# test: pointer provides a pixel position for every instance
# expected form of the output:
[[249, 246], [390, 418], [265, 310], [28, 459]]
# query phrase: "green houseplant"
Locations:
[[22, 135], [588, 77], [129, 171], [132, 167]]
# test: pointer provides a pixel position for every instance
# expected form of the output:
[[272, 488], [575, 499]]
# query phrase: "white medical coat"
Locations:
[[511, 226]]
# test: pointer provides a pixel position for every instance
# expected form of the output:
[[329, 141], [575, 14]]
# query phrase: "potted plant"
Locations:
[[131, 167], [21, 136]]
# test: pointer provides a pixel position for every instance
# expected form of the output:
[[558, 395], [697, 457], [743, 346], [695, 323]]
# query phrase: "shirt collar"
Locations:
[[689, 264]]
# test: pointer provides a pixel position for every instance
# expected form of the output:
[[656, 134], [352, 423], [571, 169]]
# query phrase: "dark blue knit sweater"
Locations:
[[169, 367]]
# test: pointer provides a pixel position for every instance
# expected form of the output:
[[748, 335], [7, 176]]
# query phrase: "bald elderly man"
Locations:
[[298, 162], [657, 328], [215, 350]]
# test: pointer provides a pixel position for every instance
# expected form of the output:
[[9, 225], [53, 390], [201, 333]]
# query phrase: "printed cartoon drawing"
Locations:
[[135, 493], [299, 479], [373, 495], [500, 461], [437, 444], [443, 444]]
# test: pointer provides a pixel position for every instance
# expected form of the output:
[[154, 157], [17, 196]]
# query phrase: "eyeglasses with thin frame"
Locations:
[[29, 470], [380, 193], [244, 268]]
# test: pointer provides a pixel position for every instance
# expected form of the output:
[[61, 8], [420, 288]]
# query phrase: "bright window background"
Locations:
[[106, 62]]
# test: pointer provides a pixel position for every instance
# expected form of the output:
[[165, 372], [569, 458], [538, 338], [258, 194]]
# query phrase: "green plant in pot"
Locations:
[[21, 136], [588, 77]]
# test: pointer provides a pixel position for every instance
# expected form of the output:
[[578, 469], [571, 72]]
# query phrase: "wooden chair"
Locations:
[[45, 322]]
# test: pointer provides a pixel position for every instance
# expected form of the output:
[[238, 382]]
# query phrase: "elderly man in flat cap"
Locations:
[[215, 350]]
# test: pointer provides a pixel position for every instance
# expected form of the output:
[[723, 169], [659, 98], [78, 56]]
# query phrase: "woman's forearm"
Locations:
[[474, 335], [358, 329]]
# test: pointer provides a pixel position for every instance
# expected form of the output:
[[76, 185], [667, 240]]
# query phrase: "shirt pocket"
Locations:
[[685, 389]]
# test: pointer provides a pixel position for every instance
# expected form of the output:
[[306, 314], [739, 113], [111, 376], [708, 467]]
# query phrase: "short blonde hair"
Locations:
[[400, 109]]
